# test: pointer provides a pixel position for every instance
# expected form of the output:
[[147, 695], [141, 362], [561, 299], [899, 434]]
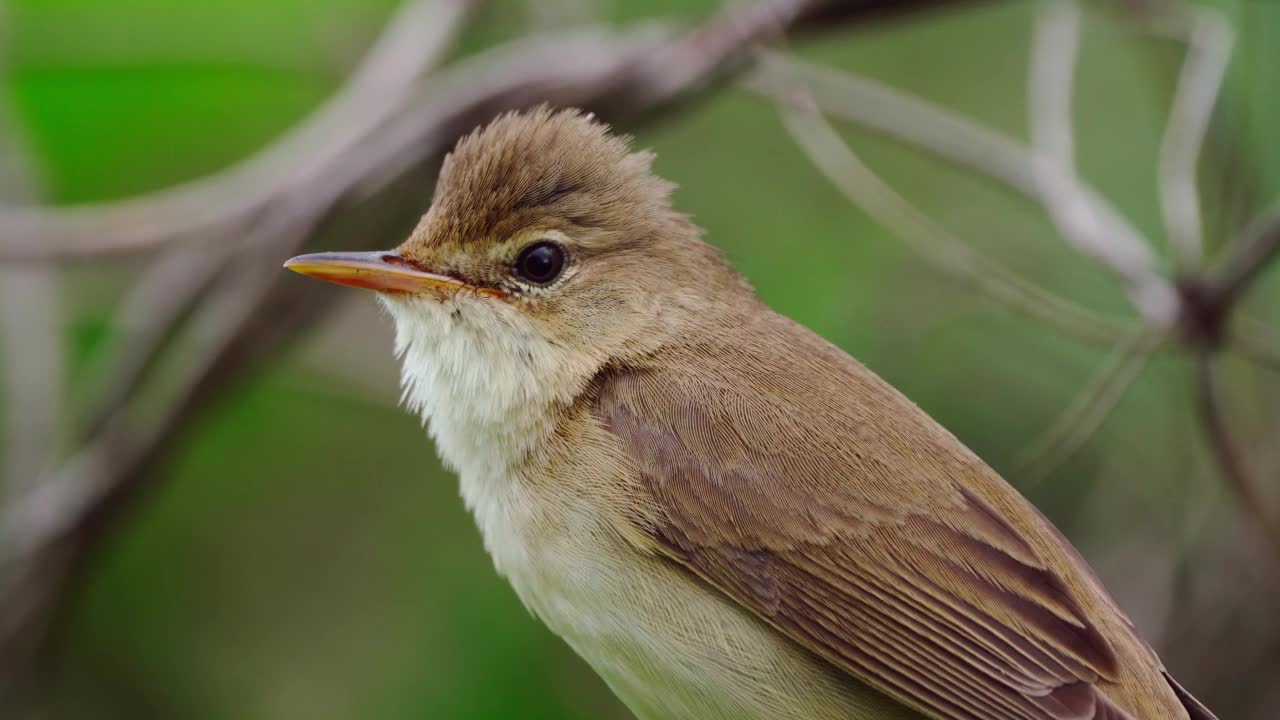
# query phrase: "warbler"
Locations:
[[726, 516]]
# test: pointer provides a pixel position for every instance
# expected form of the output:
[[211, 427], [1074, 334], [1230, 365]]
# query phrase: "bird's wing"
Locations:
[[812, 493]]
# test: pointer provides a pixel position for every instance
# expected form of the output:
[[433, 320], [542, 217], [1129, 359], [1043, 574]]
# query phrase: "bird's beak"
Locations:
[[386, 272]]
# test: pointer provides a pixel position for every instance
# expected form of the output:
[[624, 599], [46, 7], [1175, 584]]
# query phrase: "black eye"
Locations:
[[541, 262]]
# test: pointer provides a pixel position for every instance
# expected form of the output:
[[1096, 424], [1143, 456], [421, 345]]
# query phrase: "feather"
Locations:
[[798, 483]]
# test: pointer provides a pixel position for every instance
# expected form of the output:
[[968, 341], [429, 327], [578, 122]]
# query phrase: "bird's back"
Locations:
[[797, 482]]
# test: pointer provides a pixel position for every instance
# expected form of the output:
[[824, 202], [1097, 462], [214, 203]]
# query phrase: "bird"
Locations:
[[726, 516]]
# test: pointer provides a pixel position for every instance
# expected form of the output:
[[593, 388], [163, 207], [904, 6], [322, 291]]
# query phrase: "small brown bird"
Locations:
[[728, 517]]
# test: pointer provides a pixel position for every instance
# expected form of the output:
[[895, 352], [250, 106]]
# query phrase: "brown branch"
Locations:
[[1082, 418], [1249, 256], [832, 15], [1237, 473], [1253, 341]]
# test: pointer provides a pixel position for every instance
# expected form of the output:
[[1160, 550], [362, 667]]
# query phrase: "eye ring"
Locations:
[[541, 262]]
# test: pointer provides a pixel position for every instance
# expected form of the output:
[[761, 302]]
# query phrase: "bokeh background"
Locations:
[[299, 551]]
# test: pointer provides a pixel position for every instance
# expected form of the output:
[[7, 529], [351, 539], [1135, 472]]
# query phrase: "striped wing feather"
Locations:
[[812, 493]]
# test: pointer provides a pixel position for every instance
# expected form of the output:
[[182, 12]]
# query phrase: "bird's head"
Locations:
[[549, 251]]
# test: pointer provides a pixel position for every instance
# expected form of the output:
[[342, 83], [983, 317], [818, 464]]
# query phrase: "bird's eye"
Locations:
[[540, 263]]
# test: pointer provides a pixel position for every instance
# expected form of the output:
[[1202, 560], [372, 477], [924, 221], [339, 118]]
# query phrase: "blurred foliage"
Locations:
[[308, 556]]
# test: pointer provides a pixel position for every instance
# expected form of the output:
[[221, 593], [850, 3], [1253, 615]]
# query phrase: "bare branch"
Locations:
[[948, 135], [832, 156], [416, 37], [30, 325], [31, 337], [1254, 340], [147, 322], [380, 87], [1236, 470], [1210, 41], [1118, 246], [1262, 354], [1054, 55], [1249, 256], [903, 117], [836, 15], [1082, 418]]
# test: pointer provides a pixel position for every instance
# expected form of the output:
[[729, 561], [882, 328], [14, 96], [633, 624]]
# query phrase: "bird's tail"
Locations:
[[1194, 707]]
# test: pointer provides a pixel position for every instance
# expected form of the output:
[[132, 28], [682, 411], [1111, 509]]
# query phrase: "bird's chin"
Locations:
[[419, 307], [437, 315]]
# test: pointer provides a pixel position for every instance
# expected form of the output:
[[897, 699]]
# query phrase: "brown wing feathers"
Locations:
[[857, 539]]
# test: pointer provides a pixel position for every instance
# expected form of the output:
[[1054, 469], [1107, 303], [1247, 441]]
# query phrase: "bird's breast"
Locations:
[[669, 646]]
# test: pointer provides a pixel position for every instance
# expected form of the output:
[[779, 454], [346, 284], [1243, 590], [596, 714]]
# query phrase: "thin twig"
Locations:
[[1082, 418], [1236, 470], [1117, 247], [1249, 255], [146, 322], [1210, 41], [838, 163], [1261, 352], [1256, 340]]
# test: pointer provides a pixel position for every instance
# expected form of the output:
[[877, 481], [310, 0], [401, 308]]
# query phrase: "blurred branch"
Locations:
[[1054, 55], [833, 157], [1117, 246], [1249, 255], [1092, 405], [953, 138], [218, 205], [1254, 341], [1210, 41], [836, 15], [903, 117], [30, 324], [146, 322], [379, 88], [1236, 470]]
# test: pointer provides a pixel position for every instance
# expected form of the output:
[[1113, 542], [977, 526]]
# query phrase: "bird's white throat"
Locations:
[[484, 382]]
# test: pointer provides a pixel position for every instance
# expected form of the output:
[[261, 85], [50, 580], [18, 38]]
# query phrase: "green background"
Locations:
[[307, 557]]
